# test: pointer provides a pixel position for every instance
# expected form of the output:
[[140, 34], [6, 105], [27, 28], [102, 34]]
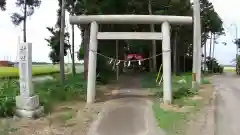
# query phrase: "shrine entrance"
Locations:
[[130, 19]]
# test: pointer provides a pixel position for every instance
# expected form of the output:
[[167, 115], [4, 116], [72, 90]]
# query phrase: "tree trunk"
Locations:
[[184, 59], [214, 38], [210, 46], [25, 23], [73, 52], [117, 57], [73, 45], [86, 50], [175, 53], [152, 28], [150, 62], [213, 50], [61, 53], [205, 56]]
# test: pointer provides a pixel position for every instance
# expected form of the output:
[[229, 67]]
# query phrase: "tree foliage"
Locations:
[[210, 21], [237, 42], [54, 44], [17, 18], [3, 5], [213, 65], [54, 39], [27, 9]]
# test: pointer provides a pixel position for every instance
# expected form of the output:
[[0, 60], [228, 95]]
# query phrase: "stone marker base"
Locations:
[[27, 103], [33, 114], [28, 107]]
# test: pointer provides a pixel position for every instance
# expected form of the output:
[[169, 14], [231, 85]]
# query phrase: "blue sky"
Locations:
[[46, 16]]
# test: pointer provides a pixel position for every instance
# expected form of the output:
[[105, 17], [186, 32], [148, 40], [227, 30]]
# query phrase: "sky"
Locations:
[[45, 16]]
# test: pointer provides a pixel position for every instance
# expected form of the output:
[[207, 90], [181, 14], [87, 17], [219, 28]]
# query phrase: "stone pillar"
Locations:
[[92, 63], [166, 58], [27, 103]]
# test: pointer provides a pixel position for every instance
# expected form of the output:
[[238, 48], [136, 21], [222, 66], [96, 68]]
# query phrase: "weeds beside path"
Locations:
[[66, 113], [50, 92], [186, 103]]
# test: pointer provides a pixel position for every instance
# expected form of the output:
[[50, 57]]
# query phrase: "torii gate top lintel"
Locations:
[[130, 19]]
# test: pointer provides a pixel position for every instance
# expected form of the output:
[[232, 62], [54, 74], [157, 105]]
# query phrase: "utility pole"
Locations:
[[73, 45], [236, 36], [196, 75], [25, 22], [62, 42], [236, 50]]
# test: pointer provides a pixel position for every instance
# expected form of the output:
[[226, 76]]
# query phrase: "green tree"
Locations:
[[54, 44], [3, 5], [211, 23], [237, 42], [27, 7], [163, 7]]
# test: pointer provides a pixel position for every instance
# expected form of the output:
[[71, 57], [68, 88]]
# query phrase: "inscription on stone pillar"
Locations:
[[25, 69]]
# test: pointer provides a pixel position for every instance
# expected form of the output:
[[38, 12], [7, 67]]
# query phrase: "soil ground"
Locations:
[[202, 121]]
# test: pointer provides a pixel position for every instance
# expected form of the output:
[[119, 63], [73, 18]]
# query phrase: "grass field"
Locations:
[[229, 69], [37, 70]]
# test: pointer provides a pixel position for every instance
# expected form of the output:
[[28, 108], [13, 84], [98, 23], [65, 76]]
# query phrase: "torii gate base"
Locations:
[[130, 19]]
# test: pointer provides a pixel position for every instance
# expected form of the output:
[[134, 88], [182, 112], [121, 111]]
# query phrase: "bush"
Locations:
[[50, 92], [213, 66], [182, 86], [221, 68], [183, 92], [9, 89]]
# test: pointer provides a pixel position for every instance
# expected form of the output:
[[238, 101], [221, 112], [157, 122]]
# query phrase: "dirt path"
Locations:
[[227, 104], [202, 122], [128, 114], [130, 81]]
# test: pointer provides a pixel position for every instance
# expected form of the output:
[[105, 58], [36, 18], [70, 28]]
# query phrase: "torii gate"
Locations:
[[141, 19]]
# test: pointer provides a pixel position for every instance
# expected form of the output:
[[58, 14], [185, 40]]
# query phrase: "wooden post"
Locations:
[[117, 70]]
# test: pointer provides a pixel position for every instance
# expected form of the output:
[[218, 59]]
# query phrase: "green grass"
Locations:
[[171, 121], [149, 81], [168, 120], [36, 70], [229, 69], [50, 92]]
